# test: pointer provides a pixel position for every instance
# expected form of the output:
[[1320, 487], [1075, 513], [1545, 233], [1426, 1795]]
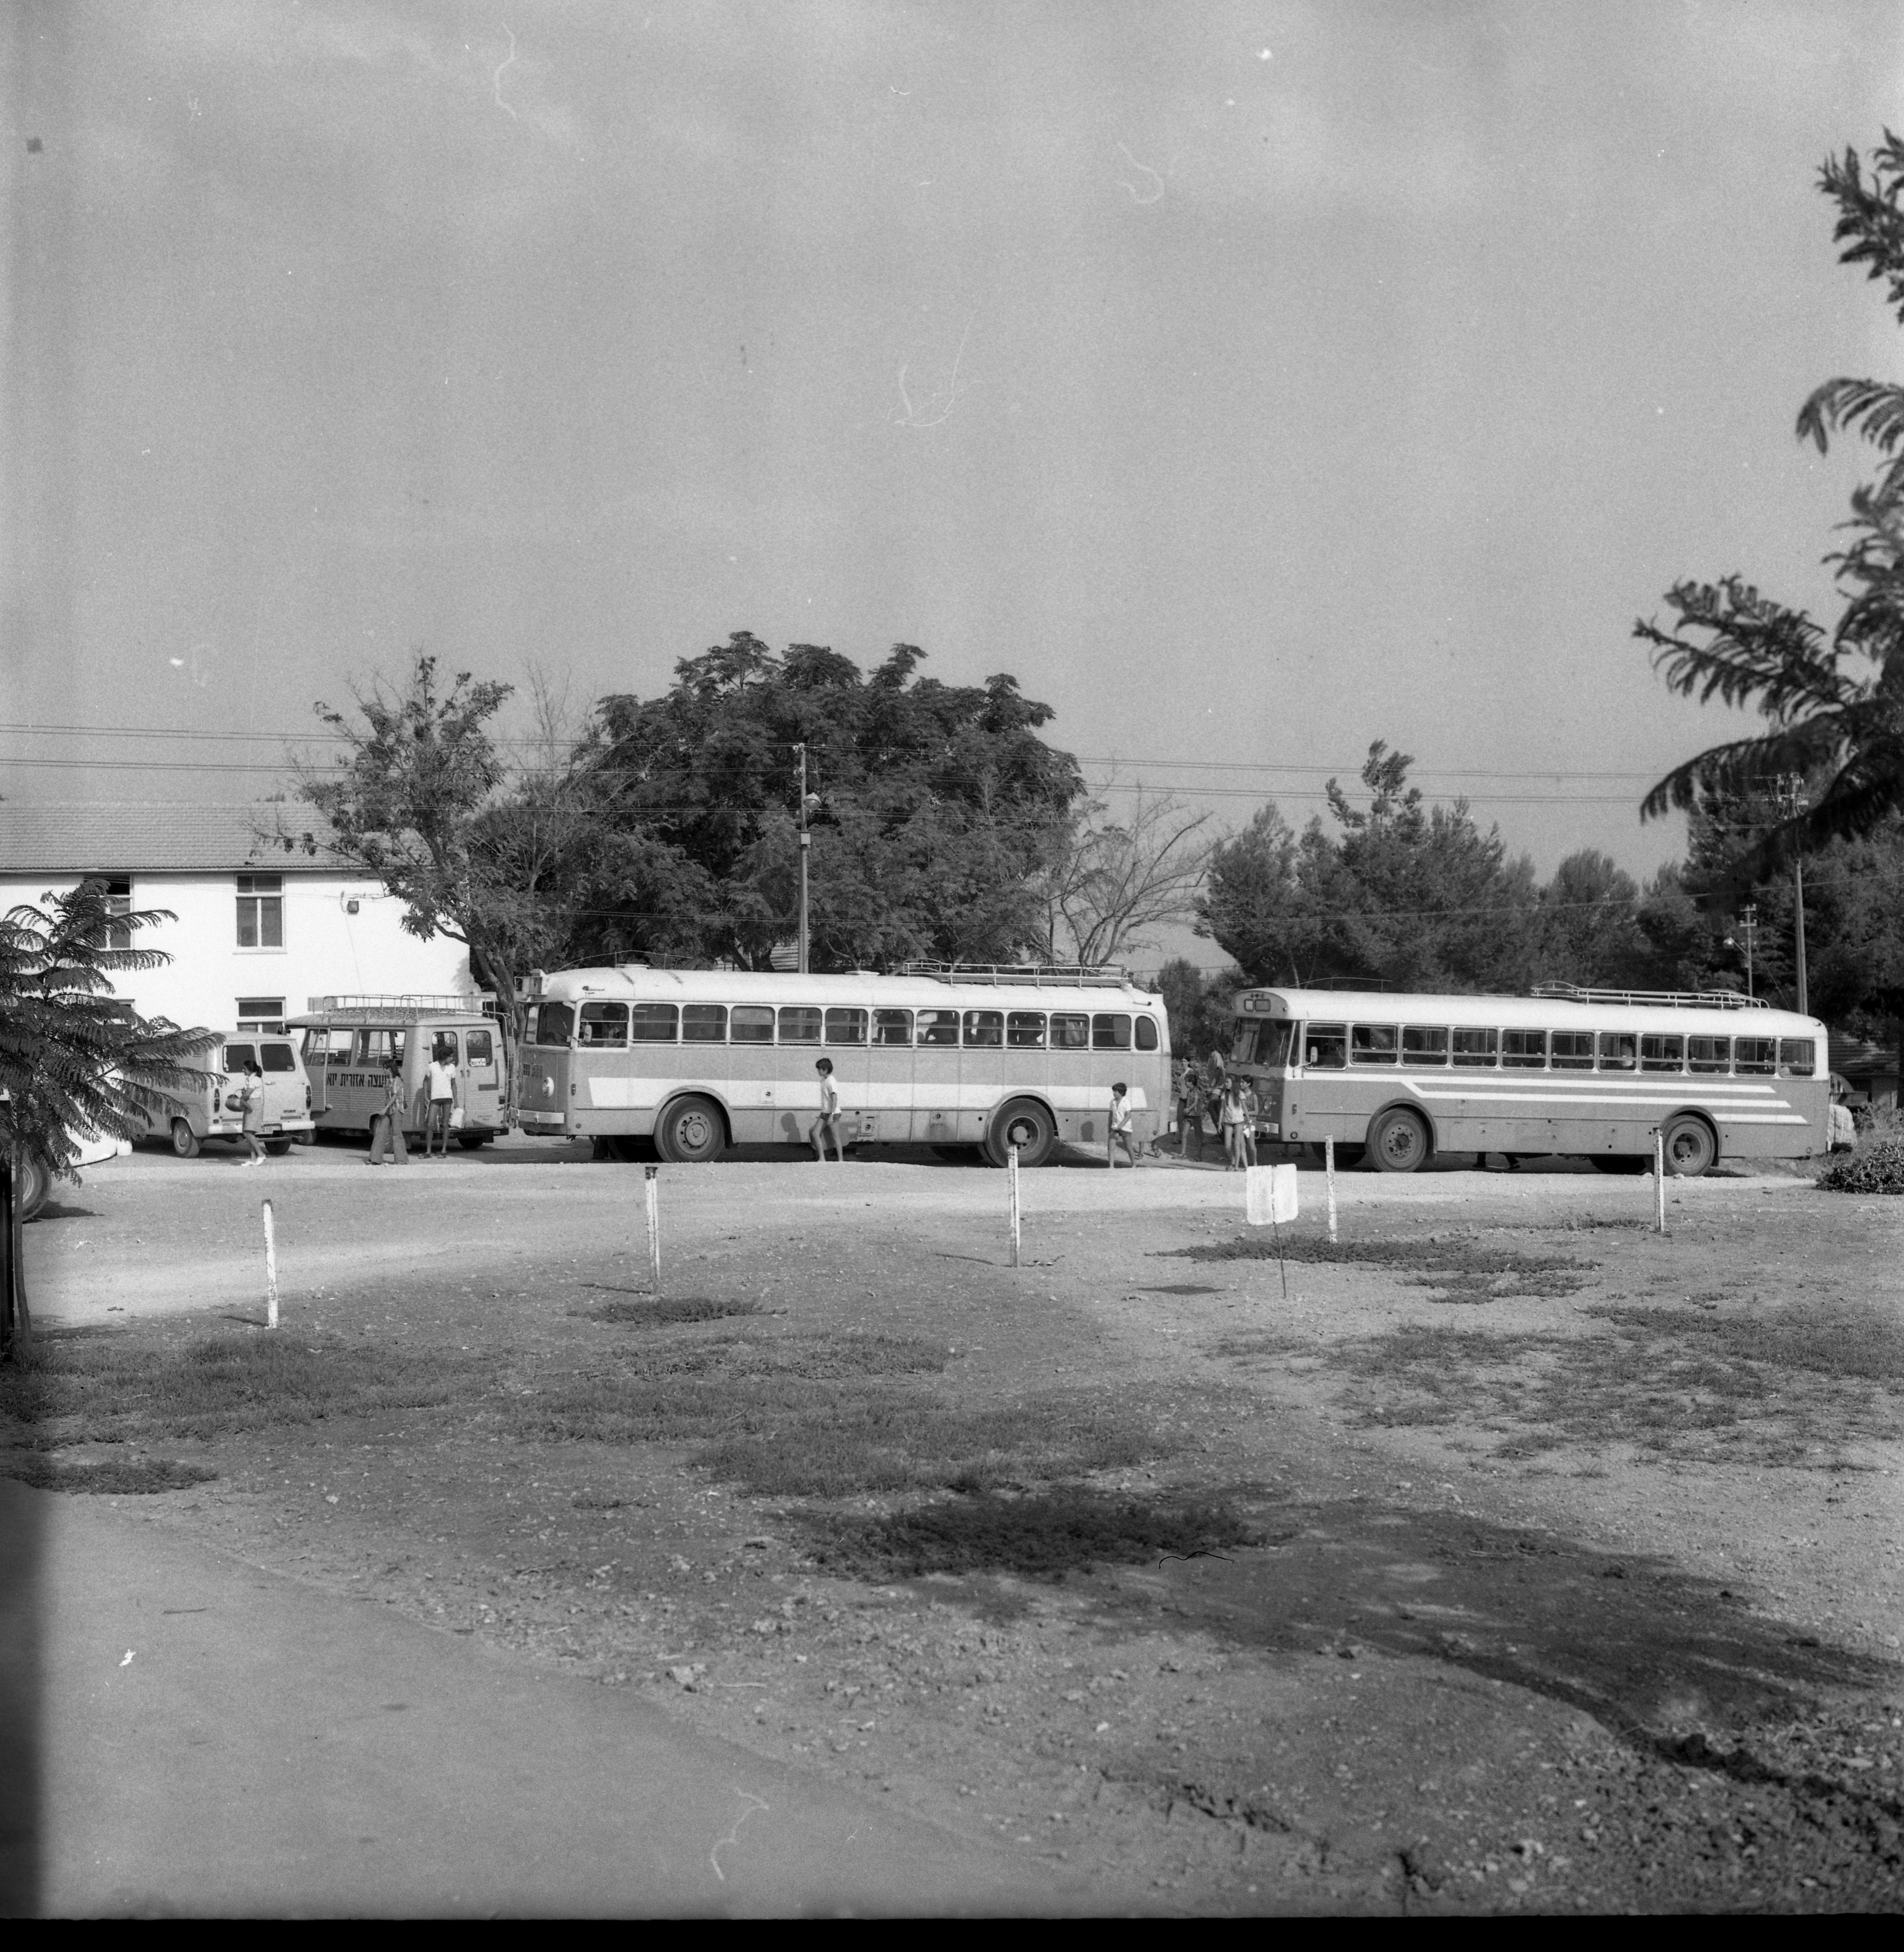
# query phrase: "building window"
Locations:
[[118, 889], [262, 1014], [261, 910]]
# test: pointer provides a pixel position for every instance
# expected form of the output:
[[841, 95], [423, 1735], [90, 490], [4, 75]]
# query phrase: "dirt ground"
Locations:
[[1513, 1557]]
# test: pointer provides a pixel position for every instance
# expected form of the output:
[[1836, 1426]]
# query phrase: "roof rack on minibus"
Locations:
[[397, 1008], [1079, 975], [1683, 1000]]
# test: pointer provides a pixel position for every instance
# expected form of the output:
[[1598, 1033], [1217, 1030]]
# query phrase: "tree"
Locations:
[[1197, 1005], [1833, 700], [1587, 927], [1112, 882], [74, 1058]]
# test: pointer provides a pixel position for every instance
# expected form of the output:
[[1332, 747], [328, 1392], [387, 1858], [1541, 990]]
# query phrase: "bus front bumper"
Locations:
[[542, 1122]]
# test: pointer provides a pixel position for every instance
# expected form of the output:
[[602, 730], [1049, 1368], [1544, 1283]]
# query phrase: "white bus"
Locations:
[[1588, 1072], [976, 1058]]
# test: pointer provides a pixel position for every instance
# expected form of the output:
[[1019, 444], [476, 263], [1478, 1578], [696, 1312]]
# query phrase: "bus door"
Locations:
[[796, 1100], [326, 1055], [751, 1061], [847, 1030], [377, 1044], [981, 1069], [482, 1079], [1261, 1052], [935, 1077]]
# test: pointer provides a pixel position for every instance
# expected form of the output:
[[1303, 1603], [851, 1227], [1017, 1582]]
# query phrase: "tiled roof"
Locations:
[[101, 837]]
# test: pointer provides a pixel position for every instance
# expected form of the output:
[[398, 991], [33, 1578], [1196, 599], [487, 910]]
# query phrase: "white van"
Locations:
[[213, 1110]]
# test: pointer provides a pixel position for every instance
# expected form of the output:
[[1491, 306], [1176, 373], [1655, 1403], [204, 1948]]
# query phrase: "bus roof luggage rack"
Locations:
[[406, 1004], [1082, 975], [1684, 999]]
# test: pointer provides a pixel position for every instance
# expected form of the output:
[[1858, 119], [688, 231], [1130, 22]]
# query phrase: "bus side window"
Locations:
[[651, 1023], [375, 1049], [751, 1023], [1709, 1054], [938, 1026], [1573, 1050], [604, 1026], [1754, 1057], [799, 1024], [892, 1027], [1797, 1057], [1524, 1050], [703, 1023], [984, 1029], [1146, 1032], [1372, 1043], [1024, 1030], [1476, 1050], [1070, 1033], [1110, 1033], [1662, 1053], [1616, 1049], [555, 1024], [1325, 1047], [846, 1026], [1421, 1044]]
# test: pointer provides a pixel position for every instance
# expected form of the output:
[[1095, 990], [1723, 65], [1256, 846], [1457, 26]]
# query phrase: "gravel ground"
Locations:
[[1537, 1563]]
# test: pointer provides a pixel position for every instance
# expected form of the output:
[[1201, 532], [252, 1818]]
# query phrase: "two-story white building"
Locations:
[[259, 931]]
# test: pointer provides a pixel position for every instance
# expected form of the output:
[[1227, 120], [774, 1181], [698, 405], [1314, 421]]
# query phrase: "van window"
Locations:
[[1573, 1050], [1325, 1047], [1797, 1057], [1709, 1054], [1110, 1033], [938, 1026], [985, 1030], [1476, 1050], [378, 1047], [1618, 1049], [1422, 1043], [703, 1023], [846, 1026], [751, 1023], [1662, 1053], [1146, 1032], [892, 1027], [799, 1024], [1024, 1030], [555, 1024], [1372, 1043], [651, 1023], [1070, 1033], [278, 1058], [1524, 1050], [603, 1026], [1754, 1057], [481, 1047], [237, 1055], [331, 1046]]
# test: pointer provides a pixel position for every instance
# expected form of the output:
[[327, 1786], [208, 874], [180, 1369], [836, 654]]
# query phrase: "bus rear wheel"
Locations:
[[1027, 1124], [1400, 1142], [185, 1141], [690, 1131], [1691, 1149]]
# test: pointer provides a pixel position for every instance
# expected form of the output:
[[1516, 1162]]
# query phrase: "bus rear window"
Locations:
[[1797, 1057], [1524, 1050], [751, 1023], [1325, 1047], [1024, 1030], [703, 1023], [651, 1023], [892, 1027], [1110, 1033], [1146, 1032], [1070, 1033], [1754, 1057], [479, 1046], [985, 1030], [938, 1026], [604, 1025], [555, 1024], [1423, 1044], [799, 1024], [1573, 1050], [1709, 1054], [1662, 1053], [1374, 1043], [846, 1026], [1476, 1050]]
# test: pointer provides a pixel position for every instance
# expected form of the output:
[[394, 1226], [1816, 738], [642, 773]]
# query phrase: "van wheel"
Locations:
[[1691, 1149], [185, 1141], [32, 1182], [278, 1148], [469, 1141], [1400, 1142], [690, 1131], [1027, 1124]]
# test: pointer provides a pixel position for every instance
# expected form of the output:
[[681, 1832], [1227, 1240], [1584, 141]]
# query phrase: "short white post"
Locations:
[[1659, 1181], [651, 1184], [1011, 1176], [271, 1270], [1329, 1173]]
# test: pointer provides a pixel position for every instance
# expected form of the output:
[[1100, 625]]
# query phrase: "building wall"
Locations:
[[327, 951]]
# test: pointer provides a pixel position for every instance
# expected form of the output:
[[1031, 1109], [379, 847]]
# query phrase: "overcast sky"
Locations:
[[1252, 381]]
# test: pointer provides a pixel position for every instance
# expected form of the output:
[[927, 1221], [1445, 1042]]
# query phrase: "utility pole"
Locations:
[[804, 844], [1790, 788], [1748, 927]]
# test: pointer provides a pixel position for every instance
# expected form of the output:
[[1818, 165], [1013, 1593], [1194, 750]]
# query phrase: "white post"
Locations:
[[651, 1183], [1011, 1176], [271, 1270], [1328, 1172], [1659, 1181]]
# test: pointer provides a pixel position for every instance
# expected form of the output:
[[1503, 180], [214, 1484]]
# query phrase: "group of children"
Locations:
[[1209, 1099]]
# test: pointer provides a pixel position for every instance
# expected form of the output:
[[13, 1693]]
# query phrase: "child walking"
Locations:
[[1121, 1132], [827, 1125]]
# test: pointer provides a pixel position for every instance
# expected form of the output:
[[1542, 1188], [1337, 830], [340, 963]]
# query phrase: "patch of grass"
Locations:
[[1459, 1270], [109, 1389], [1067, 1529], [668, 1311], [120, 1476]]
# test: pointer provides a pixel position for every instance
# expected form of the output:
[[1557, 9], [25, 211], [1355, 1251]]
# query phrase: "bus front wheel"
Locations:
[[1027, 1124], [1400, 1142], [1691, 1149], [691, 1131]]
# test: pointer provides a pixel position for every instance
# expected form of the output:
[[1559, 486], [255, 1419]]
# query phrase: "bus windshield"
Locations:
[[1264, 1044]]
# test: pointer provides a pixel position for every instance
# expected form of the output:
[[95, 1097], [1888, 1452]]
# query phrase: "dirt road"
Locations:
[[1512, 1557]]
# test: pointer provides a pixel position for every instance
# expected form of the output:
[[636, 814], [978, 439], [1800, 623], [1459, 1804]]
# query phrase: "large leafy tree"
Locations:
[[1832, 697]]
